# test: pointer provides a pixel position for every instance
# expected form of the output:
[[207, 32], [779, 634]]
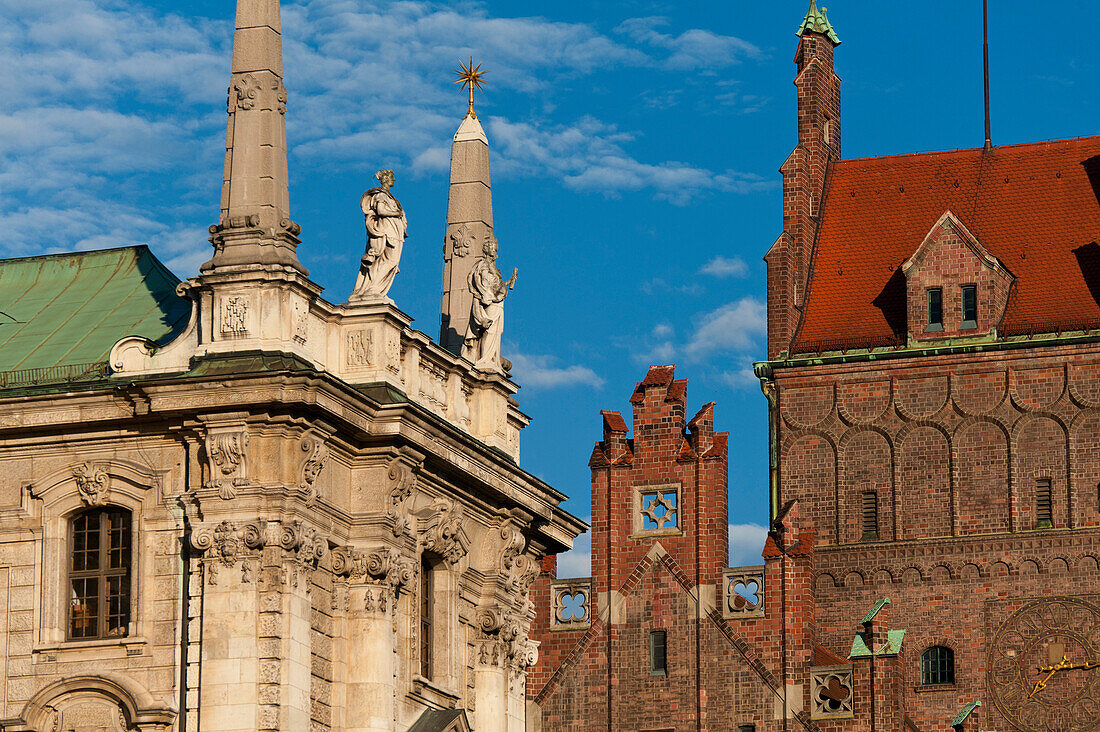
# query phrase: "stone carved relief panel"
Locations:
[[831, 692], [235, 316], [743, 592], [359, 350]]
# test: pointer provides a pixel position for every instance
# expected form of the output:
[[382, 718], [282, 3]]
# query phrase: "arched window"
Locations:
[[937, 666], [99, 574]]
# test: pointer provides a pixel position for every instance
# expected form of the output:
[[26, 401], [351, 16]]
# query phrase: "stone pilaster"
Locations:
[[373, 581]]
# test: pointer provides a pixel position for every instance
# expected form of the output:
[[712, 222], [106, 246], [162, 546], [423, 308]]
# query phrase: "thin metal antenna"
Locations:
[[985, 54]]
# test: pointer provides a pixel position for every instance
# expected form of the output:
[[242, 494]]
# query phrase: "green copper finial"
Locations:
[[817, 22]]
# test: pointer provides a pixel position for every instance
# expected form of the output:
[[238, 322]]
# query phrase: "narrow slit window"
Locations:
[[935, 309], [969, 306], [1044, 509], [426, 603], [870, 516], [658, 653]]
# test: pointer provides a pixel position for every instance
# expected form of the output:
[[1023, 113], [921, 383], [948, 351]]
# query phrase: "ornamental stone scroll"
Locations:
[[443, 533], [226, 453]]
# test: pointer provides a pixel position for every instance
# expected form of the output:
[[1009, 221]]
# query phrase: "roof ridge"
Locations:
[[996, 148], [81, 253]]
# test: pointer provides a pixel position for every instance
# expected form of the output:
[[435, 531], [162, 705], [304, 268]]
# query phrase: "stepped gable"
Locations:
[[1036, 207]]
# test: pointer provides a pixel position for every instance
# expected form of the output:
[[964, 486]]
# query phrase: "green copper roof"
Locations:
[[892, 646], [66, 311], [874, 611], [965, 713], [817, 22]]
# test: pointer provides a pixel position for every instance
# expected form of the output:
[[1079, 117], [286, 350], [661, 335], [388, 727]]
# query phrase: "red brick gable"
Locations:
[[1036, 207]]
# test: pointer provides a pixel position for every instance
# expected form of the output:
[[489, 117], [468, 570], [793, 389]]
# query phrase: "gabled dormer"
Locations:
[[954, 287]]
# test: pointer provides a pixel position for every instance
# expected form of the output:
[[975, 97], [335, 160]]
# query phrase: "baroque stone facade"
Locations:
[[277, 513]]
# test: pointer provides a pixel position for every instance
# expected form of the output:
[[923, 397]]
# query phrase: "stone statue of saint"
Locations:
[[386, 233], [482, 343]]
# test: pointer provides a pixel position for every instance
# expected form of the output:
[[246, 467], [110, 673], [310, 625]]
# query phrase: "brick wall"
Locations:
[[954, 446]]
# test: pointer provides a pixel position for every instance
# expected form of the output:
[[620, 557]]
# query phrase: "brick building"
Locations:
[[933, 380], [934, 384]]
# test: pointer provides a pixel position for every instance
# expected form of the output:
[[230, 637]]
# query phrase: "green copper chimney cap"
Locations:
[[961, 717], [875, 610], [817, 22]]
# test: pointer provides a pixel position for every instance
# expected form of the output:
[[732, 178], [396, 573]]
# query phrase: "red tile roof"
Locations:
[[1036, 207]]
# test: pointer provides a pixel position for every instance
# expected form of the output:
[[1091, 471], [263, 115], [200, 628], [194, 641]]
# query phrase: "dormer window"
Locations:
[[969, 306], [935, 310], [942, 280]]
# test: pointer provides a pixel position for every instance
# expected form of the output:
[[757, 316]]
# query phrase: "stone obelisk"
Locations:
[[469, 217], [255, 226]]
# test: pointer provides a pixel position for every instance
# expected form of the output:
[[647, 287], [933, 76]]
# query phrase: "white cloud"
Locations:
[[544, 372], [746, 544], [741, 378], [734, 326], [109, 102], [692, 49], [721, 266], [578, 561]]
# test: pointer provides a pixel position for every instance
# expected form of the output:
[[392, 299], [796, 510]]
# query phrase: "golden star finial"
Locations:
[[469, 77]]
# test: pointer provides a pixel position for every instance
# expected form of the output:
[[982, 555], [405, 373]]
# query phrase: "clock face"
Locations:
[[1044, 667]]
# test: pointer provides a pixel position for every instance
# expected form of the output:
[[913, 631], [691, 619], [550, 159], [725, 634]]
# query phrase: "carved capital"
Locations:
[[93, 482], [222, 546]]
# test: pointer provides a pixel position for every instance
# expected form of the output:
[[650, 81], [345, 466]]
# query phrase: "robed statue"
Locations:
[[386, 233], [482, 342]]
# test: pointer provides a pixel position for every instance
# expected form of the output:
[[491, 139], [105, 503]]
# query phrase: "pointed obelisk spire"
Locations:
[[255, 226], [469, 216]]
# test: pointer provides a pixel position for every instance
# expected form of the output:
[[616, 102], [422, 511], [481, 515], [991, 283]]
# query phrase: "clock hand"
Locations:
[[1040, 685]]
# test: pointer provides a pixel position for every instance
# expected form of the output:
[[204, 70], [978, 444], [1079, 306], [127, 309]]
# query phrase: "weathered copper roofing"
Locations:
[[1036, 207], [64, 312], [817, 22]]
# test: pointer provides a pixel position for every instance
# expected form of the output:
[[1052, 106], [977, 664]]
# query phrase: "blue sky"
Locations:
[[635, 148]]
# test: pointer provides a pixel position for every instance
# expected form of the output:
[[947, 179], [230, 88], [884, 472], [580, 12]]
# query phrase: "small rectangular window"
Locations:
[[969, 306], [870, 516], [1044, 510], [746, 728], [658, 653], [935, 310]]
